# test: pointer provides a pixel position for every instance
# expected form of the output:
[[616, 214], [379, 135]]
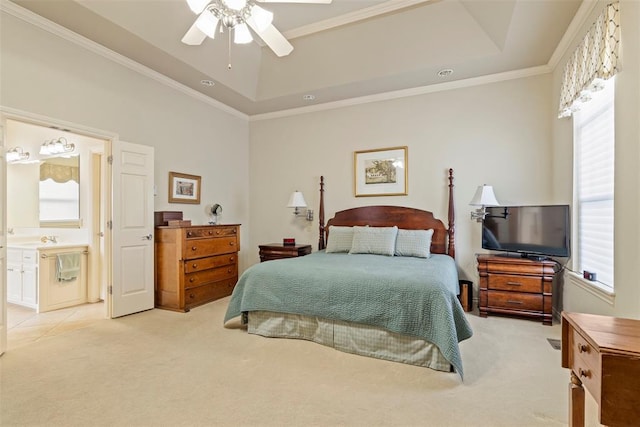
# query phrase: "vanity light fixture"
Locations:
[[297, 202], [484, 197], [56, 146], [16, 154]]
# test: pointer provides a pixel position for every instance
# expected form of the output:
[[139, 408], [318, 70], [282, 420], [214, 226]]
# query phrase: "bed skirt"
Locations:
[[348, 337]]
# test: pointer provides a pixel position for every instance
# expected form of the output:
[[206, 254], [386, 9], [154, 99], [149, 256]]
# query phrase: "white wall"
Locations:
[[44, 74], [627, 161], [496, 134]]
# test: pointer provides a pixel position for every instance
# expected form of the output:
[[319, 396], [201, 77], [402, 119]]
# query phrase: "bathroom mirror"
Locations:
[[59, 192]]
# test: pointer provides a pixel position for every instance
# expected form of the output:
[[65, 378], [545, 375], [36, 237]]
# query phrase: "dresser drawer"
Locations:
[[214, 274], [508, 282], [515, 301], [206, 247], [200, 232], [200, 264], [209, 292]]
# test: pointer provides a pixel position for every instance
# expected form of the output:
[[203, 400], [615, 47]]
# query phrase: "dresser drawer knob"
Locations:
[[194, 248], [583, 348], [210, 232], [192, 296], [232, 259], [195, 265], [232, 243], [217, 231], [585, 373], [189, 234], [191, 279]]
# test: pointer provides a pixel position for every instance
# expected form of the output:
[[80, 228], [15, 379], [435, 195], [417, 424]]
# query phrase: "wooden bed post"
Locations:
[[452, 226], [321, 243]]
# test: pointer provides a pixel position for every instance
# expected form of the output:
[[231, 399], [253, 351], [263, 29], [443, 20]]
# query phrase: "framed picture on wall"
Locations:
[[381, 172], [184, 188]]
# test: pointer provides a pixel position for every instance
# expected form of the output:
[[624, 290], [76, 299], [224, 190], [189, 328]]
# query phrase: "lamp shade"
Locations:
[[296, 200], [484, 197]]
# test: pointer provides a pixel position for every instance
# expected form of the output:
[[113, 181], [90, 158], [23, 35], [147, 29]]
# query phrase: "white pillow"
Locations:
[[374, 240], [340, 239], [415, 243]]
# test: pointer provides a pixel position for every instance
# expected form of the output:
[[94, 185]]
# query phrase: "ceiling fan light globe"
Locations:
[[241, 34], [197, 6], [207, 23], [262, 17], [235, 4]]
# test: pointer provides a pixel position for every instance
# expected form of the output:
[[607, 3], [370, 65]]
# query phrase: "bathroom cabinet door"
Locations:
[[14, 283], [30, 285]]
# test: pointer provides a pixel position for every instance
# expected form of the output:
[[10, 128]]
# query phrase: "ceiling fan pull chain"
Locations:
[[229, 32]]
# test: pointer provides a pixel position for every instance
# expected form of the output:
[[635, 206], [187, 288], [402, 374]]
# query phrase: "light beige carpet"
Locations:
[[161, 368]]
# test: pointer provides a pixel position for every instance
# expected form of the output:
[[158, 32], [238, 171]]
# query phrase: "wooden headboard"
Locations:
[[442, 242]]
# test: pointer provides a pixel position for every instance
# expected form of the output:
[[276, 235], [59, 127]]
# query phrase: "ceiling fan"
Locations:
[[237, 16]]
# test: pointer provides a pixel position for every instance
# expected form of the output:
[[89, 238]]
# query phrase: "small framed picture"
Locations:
[[381, 172], [184, 188]]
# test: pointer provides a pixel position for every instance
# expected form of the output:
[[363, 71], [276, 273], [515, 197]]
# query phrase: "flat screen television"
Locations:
[[531, 231]]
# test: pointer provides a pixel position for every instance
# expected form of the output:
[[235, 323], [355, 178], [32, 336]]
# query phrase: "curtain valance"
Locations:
[[594, 60], [59, 173]]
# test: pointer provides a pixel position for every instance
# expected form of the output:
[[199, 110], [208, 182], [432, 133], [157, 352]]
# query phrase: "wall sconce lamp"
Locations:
[[16, 154], [297, 202], [56, 146], [484, 197]]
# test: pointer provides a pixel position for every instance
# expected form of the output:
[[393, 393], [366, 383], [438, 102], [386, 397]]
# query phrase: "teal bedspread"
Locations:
[[412, 296]]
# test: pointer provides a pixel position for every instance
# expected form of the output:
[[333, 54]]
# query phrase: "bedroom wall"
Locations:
[[626, 302], [496, 134], [48, 75]]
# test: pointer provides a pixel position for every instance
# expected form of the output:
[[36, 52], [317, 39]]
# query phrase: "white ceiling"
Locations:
[[350, 48]]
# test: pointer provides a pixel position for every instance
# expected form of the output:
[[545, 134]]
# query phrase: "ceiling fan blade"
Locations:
[[272, 38], [296, 1], [194, 36]]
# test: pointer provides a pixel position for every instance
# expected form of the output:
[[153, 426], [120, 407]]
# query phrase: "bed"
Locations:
[[382, 284]]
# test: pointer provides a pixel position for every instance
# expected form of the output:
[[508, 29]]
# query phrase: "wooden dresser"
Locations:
[[516, 286], [195, 264], [603, 354]]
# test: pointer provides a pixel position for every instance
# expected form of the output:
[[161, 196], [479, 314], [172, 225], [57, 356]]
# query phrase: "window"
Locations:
[[594, 142]]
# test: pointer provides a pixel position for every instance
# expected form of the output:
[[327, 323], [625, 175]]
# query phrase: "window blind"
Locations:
[[594, 140]]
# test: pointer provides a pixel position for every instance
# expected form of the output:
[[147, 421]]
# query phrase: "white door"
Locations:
[[132, 287], [3, 245]]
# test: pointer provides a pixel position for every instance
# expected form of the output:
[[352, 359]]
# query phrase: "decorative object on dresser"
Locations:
[[279, 251], [381, 172], [516, 286], [184, 188], [603, 354], [163, 217], [195, 264]]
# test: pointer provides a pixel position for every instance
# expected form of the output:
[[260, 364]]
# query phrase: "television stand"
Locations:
[[516, 287]]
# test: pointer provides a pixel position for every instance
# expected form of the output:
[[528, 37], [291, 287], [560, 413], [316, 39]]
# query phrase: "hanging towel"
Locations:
[[67, 266]]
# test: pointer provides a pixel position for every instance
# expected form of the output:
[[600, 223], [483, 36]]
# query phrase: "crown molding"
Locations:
[[62, 32], [404, 93], [349, 18], [580, 18]]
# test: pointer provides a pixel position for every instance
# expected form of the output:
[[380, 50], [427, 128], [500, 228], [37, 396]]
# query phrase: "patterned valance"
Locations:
[[594, 60], [59, 173]]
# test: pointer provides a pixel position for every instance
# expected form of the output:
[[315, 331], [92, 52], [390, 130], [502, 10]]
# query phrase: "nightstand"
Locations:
[[278, 251]]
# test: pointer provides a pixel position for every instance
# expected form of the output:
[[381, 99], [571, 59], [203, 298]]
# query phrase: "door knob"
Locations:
[[147, 237]]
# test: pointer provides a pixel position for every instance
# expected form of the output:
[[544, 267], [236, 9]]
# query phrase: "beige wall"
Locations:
[[496, 134], [48, 75], [627, 180]]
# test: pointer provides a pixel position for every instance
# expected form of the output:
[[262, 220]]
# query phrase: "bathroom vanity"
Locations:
[[32, 276]]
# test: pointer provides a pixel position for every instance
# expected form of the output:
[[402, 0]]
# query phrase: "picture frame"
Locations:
[[381, 172], [184, 188]]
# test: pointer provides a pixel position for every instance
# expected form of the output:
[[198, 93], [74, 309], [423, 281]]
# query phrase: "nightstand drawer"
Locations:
[[515, 301], [586, 363], [508, 282]]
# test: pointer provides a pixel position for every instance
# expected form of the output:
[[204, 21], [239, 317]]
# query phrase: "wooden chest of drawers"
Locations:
[[516, 286], [195, 264]]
